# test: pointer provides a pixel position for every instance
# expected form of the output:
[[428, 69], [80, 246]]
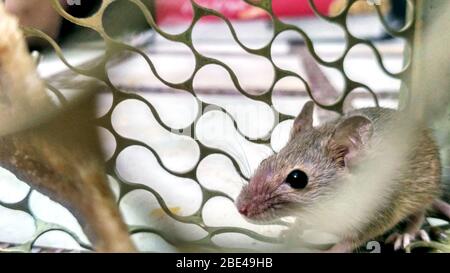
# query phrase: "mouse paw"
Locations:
[[403, 240]]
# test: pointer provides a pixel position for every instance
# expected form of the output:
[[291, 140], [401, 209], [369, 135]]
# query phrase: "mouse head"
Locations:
[[307, 169]]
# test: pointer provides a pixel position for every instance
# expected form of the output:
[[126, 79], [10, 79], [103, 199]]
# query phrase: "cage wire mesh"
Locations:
[[200, 147]]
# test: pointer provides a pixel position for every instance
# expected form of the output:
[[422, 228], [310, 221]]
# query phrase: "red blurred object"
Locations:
[[298, 8], [180, 11]]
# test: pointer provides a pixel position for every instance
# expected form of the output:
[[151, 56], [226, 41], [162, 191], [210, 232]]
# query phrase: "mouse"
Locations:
[[310, 178]]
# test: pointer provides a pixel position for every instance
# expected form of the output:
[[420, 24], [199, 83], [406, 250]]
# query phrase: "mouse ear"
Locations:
[[304, 120], [349, 137]]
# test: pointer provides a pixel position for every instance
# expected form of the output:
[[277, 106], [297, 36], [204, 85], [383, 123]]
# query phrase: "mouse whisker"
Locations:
[[276, 203], [245, 158], [275, 195]]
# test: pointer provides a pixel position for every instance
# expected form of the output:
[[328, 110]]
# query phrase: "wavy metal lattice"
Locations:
[[113, 46]]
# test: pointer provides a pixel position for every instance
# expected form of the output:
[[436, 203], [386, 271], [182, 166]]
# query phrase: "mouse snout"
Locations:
[[251, 202], [243, 209], [249, 208], [243, 206]]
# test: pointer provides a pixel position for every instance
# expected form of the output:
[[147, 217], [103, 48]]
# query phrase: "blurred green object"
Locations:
[[429, 83], [428, 86]]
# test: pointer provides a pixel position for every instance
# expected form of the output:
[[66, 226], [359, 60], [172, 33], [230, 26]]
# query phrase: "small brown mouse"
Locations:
[[304, 179]]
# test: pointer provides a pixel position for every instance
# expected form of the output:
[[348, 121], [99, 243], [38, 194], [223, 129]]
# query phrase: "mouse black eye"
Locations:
[[297, 179]]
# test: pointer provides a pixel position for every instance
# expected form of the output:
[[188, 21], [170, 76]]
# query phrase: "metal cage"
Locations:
[[331, 102]]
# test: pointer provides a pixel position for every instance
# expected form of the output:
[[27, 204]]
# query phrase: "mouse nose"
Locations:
[[243, 210]]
